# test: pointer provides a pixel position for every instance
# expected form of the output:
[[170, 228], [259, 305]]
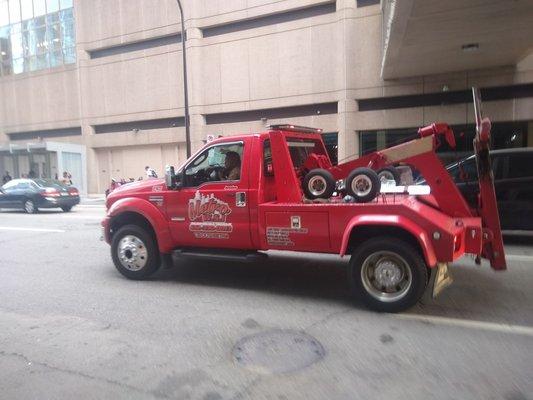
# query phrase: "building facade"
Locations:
[[96, 86]]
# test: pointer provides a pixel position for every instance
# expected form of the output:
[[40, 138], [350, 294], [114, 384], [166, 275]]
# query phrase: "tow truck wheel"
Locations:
[[387, 274], [318, 184], [134, 252], [363, 184], [389, 174]]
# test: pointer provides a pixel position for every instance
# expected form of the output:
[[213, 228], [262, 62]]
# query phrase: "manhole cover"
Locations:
[[277, 351]]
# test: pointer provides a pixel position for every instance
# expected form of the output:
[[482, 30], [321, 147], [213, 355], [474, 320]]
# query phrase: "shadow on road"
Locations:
[[290, 275], [478, 293]]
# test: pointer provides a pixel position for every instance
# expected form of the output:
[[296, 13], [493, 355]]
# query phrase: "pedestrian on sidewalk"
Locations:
[[150, 173], [6, 178]]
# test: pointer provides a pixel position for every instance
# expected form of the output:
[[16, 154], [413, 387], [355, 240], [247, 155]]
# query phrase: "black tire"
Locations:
[[141, 257], [318, 184], [389, 173], [66, 208], [363, 184], [409, 279], [30, 207]]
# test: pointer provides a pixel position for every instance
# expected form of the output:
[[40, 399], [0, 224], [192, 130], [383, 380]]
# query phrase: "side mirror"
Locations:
[[172, 180]]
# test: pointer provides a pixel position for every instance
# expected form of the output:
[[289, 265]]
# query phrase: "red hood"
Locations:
[[145, 186]]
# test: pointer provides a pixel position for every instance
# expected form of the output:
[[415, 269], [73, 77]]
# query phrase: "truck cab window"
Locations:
[[217, 163]]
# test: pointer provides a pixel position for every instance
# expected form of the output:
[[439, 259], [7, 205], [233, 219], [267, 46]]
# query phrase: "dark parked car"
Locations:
[[32, 194], [513, 181]]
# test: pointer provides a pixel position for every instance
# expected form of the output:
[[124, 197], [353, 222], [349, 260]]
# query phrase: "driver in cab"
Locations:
[[232, 167]]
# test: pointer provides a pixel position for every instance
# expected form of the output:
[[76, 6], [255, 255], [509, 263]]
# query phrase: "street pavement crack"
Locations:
[[328, 318], [81, 374]]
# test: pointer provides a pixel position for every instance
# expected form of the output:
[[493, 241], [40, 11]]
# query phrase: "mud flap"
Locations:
[[441, 279]]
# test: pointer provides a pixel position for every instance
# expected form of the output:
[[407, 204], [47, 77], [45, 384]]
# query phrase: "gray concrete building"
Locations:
[[96, 86]]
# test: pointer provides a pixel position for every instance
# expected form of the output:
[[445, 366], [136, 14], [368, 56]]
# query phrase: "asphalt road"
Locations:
[[72, 327]]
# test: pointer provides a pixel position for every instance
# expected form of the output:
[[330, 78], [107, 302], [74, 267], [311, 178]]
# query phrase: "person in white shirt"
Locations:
[[150, 173]]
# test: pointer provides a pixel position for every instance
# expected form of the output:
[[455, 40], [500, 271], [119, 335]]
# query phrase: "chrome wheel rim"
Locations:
[[29, 207], [361, 185], [386, 276], [132, 253], [317, 185], [385, 176]]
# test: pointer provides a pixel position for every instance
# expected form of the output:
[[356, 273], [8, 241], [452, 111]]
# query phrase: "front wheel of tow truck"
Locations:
[[387, 274], [318, 184], [363, 184], [134, 252]]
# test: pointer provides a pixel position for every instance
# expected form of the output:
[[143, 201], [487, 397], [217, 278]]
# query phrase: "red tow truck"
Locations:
[[242, 195]]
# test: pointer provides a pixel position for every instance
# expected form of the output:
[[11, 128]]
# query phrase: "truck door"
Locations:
[[211, 208]]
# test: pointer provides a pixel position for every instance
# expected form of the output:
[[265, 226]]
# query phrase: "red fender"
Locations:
[[154, 216], [393, 221]]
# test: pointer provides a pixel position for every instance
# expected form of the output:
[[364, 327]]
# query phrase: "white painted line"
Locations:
[[470, 324], [12, 228], [517, 257], [55, 216]]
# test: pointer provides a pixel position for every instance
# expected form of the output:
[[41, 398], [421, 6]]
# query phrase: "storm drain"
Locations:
[[277, 351]]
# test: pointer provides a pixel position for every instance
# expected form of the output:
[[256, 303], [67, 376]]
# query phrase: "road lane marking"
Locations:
[[58, 216], [470, 324], [12, 228]]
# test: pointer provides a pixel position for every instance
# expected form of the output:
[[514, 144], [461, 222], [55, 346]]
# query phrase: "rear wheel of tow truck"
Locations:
[[363, 184], [389, 174], [134, 252], [387, 274], [318, 184]]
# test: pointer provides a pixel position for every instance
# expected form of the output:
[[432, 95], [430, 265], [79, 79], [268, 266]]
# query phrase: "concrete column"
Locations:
[[348, 137]]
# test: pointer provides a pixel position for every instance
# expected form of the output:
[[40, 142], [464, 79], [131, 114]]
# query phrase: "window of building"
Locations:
[[331, 141], [504, 135], [35, 35]]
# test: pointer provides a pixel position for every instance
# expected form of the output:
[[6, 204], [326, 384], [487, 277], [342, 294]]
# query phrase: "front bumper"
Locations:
[[104, 233]]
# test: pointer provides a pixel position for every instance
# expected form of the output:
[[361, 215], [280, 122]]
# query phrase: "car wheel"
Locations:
[[29, 207], [134, 252], [363, 184], [66, 208], [318, 184], [387, 274]]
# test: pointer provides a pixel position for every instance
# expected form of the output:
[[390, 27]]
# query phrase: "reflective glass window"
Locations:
[[14, 11], [18, 65], [52, 6], [26, 8], [4, 13], [16, 44], [66, 4], [39, 7], [36, 34]]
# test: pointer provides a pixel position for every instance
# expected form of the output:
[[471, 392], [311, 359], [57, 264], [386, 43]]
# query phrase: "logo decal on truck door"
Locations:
[[208, 216]]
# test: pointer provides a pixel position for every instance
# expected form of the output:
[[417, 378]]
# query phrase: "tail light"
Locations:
[[50, 192], [73, 192]]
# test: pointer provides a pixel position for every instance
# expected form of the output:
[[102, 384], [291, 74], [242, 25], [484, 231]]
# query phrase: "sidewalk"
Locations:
[[93, 199]]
